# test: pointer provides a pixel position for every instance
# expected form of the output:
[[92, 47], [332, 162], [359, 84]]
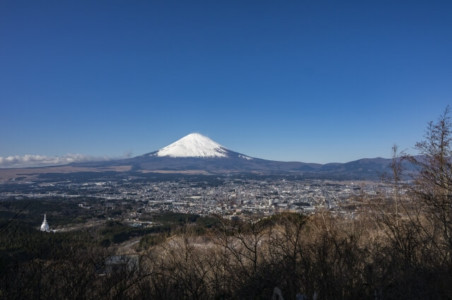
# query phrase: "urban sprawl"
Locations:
[[228, 197]]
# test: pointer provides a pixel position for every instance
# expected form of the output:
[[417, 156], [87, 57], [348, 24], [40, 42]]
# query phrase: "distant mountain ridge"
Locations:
[[198, 154]]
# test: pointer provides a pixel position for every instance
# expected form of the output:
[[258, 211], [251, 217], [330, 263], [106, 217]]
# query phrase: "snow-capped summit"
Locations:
[[193, 145]]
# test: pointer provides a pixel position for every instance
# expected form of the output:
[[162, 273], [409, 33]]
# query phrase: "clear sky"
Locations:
[[312, 81]]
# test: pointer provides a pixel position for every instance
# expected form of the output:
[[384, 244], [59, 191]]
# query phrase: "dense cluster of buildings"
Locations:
[[221, 196]]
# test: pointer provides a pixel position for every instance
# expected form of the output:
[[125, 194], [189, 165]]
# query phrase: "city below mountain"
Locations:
[[199, 155]]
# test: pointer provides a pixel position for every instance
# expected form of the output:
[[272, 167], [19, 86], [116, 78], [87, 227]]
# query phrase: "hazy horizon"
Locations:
[[36, 160]]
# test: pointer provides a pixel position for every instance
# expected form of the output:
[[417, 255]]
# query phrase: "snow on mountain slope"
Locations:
[[193, 145]]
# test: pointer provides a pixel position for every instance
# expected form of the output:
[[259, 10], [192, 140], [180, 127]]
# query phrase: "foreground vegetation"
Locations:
[[397, 246]]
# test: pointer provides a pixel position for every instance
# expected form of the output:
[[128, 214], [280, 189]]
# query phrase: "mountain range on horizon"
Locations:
[[198, 154]]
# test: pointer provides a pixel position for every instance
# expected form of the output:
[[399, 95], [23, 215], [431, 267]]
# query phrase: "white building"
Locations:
[[45, 226]]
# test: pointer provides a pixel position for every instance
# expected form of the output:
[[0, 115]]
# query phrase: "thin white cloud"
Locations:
[[34, 160]]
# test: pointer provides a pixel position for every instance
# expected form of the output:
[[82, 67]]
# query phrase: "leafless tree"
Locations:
[[433, 185]]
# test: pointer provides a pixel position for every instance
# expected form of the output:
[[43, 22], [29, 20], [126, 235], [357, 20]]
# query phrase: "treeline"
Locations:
[[371, 257]]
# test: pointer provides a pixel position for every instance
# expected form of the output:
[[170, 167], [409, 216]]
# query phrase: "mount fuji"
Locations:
[[193, 145], [198, 154]]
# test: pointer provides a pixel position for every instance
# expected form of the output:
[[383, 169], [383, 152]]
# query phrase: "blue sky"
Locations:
[[312, 81]]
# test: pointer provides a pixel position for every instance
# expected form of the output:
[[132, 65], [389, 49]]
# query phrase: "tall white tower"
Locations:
[[45, 226]]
